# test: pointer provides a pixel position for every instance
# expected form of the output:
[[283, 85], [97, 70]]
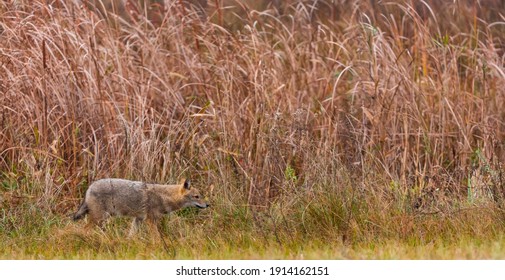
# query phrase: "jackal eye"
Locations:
[[197, 196]]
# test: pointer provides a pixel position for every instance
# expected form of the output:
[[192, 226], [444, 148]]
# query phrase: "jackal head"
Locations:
[[192, 196]]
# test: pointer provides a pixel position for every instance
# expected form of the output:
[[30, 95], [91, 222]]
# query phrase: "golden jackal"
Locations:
[[119, 197]]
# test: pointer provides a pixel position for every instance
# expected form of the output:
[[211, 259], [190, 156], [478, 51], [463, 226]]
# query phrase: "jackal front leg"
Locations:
[[135, 225]]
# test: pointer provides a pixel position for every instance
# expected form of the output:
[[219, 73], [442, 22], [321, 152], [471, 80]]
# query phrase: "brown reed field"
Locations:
[[329, 129]]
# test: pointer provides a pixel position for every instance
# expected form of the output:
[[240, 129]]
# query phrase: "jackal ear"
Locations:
[[187, 184]]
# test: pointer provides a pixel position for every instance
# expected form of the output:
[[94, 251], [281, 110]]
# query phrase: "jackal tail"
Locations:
[[83, 210]]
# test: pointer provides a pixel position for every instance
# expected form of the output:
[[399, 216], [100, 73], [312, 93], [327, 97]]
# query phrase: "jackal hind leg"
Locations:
[[96, 218]]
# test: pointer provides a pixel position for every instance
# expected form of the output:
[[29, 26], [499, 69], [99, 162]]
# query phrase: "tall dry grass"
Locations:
[[353, 121]]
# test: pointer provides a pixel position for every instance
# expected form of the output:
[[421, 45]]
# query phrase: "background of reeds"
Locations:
[[329, 129]]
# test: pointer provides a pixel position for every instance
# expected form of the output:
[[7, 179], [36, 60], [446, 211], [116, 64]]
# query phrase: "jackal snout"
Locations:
[[193, 196]]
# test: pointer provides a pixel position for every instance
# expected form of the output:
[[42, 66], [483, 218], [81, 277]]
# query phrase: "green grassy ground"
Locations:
[[71, 243], [200, 234]]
